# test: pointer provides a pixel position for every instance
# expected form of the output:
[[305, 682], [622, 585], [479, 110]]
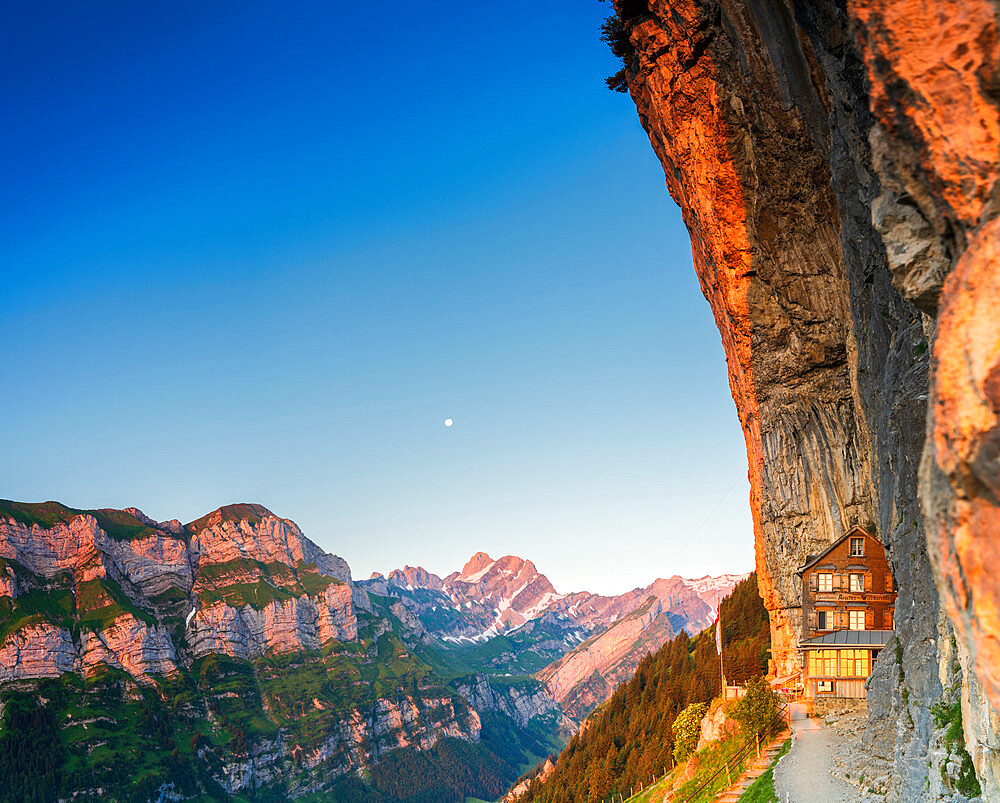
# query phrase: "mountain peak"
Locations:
[[236, 512], [477, 563], [415, 577]]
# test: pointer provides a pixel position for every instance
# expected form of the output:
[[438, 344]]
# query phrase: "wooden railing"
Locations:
[[735, 763]]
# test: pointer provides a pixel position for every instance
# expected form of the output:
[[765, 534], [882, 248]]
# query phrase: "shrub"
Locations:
[[687, 729], [757, 710]]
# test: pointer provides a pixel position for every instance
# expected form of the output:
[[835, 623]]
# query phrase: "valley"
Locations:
[[265, 671]]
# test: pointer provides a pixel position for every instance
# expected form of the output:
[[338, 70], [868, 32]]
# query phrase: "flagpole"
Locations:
[[718, 643]]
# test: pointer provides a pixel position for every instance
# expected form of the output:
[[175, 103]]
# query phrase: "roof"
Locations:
[[874, 639], [814, 558]]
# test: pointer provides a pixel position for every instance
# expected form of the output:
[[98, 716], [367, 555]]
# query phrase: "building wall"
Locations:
[[877, 600], [849, 670], [853, 689]]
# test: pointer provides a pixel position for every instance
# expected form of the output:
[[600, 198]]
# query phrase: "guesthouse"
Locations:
[[848, 604]]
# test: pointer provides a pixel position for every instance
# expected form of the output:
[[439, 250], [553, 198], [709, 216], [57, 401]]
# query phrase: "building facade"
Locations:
[[848, 604]]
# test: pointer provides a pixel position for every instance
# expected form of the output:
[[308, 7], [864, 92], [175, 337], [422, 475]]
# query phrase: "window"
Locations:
[[855, 663], [857, 583], [824, 620], [857, 547], [823, 663], [824, 687], [857, 620], [825, 581]]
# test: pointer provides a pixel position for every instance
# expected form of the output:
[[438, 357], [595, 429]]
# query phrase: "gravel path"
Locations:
[[805, 774]]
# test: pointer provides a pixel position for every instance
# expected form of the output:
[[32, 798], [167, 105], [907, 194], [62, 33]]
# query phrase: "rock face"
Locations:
[[517, 791], [835, 165], [305, 601], [244, 586], [584, 678], [521, 704], [239, 599]]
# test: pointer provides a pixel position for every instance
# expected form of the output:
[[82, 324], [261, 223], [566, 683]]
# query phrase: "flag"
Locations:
[[718, 632]]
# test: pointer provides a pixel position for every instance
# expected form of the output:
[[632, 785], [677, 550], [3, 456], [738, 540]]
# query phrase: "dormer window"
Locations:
[[857, 547], [825, 581]]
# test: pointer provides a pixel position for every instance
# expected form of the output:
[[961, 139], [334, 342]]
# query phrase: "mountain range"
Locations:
[[580, 645], [262, 667]]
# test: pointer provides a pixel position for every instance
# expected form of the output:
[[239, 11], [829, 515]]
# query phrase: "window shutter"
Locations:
[[869, 620], [868, 581], [812, 582], [836, 582], [812, 620], [888, 581]]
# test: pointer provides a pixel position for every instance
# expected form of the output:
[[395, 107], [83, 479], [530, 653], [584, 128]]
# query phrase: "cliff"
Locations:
[[585, 677], [229, 655], [835, 167]]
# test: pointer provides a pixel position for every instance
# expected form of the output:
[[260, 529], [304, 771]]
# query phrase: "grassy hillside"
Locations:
[[629, 739]]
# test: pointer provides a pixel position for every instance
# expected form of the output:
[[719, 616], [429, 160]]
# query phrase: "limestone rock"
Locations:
[[39, 650], [140, 649], [835, 165], [585, 677]]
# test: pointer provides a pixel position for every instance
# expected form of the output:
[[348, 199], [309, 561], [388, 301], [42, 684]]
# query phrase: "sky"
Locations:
[[261, 251]]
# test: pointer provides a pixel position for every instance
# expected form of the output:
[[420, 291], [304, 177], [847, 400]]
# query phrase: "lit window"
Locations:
[[855, 663], [824, 687], [857, 620], [822, 663], [857, 547], [829, 662], [825, 581], [857, 582]]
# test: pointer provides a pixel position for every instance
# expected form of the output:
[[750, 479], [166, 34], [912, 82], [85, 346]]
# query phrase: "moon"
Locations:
[[448, 422]]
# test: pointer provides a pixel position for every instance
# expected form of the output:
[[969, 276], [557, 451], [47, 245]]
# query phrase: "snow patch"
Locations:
[[475, 578]]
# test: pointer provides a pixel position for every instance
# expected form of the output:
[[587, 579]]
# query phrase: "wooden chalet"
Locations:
[[848, 603]]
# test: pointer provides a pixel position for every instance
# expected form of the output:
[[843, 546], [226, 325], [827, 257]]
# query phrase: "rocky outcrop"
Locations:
[[517, 791], [39, 650], [835, 166], [240, 582], [521, 703], [584, 678], [280, 625], [141, 649], [715, 724], [360, 739], [229, 535]]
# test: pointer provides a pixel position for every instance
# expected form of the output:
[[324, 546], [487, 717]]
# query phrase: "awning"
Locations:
[[870, 639], [779, 682]]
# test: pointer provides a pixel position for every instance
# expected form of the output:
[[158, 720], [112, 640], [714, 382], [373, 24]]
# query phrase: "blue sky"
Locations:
[[261, 251]]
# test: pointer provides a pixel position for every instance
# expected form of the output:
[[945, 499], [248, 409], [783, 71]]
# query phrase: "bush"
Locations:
[[687, 729], [758, 710]]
